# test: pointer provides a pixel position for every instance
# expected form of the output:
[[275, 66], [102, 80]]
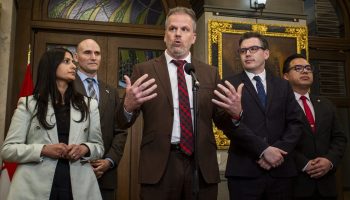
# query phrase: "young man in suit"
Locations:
[[322, 143], [88, 56], [163, 93], [268, 126]]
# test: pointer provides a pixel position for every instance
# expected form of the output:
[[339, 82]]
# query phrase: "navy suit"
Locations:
[[278, 125], [329, 141]]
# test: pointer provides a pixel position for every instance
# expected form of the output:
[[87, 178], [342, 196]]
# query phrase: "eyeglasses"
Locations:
[[252, 50], [302, 68]]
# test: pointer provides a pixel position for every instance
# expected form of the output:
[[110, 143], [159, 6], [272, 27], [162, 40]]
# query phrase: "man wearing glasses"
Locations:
[[268, 126], [322, 142]]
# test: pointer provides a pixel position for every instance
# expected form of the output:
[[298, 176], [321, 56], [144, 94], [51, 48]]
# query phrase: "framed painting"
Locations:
[[223, 37]]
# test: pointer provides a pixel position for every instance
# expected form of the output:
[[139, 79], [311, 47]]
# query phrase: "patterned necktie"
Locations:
[[91, 89], [261, 90], [186, 140], [308, 114]]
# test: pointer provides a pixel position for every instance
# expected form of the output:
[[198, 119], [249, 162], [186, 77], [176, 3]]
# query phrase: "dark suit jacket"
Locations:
[[278, 125], [329, 142], [113, 138], [158, 116]]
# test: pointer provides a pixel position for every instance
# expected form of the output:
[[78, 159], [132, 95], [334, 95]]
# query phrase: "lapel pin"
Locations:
[[107, 91]]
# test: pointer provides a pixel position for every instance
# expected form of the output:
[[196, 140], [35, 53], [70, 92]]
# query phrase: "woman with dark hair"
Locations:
[[53, 135]]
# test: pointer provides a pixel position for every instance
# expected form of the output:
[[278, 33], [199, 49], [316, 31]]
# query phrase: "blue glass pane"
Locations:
[[121, 11]]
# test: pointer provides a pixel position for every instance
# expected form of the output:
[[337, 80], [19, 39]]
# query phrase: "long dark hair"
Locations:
[[46, 88]]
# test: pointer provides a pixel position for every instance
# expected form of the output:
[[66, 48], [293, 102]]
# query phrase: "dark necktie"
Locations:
[[308, 113], [91, 89], [186, 140], [261, 90]]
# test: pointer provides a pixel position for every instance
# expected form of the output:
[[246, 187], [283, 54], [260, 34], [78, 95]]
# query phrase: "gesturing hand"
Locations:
[[138, 93], [229, 98]]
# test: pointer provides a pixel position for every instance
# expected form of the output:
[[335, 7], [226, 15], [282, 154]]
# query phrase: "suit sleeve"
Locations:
[[338, 138], [241, 136], [14, 148], [115, 152], [294, 123], [122, 120]]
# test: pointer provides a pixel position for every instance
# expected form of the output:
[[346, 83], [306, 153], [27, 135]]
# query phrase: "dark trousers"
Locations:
[[262, 188], [108, 194], [315, 196], [177, 182]]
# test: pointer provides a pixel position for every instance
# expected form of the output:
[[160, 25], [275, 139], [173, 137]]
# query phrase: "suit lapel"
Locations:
[[161, 69], [251, 90], [317, 109], [51, 119], [74, 129], [79, 86], [270, 89], [104, 93]]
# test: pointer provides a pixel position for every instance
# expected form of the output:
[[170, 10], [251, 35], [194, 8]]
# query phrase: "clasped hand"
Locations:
[[318, 167], [272, 157], [61, 150]]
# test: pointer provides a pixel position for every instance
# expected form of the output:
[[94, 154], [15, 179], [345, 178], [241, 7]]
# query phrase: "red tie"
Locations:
[[308, 114], [186, 140]]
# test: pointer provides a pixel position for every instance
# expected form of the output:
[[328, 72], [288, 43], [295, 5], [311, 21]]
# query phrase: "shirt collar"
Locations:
[[251, 75], [169, 58], [297, 96], [83, 76]]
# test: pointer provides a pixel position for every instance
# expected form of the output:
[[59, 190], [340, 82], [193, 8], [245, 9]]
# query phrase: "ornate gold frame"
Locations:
[[217, 28]]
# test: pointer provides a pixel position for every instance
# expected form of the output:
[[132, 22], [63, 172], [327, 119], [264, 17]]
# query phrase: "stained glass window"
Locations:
[[129, 57], [121, 11]]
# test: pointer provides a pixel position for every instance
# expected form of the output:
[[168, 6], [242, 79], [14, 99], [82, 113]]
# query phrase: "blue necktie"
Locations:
[[91, 90], [261, 90]]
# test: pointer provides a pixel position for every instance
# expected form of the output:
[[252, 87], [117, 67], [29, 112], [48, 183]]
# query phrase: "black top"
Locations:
[[61, 186]]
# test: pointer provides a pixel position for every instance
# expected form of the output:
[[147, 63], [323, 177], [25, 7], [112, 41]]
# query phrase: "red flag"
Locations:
[[8, 169], [27, 85]]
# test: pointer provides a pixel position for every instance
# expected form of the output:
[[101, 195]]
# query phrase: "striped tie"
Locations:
[[91, 89], [186, 140]]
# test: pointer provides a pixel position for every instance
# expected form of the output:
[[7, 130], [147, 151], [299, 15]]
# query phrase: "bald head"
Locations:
[[88, 57]]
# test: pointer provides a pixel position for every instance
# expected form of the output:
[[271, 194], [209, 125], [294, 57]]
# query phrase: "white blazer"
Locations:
[[34, 175]]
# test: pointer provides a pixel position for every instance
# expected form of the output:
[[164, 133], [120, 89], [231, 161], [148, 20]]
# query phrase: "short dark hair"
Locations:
[[248, 35], [286, 63], [182, 10]]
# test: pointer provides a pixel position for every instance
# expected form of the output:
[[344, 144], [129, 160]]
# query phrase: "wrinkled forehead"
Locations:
[[180, 19], [88, 45]]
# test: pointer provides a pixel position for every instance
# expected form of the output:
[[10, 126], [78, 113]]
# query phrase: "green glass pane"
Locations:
[[129, 57]]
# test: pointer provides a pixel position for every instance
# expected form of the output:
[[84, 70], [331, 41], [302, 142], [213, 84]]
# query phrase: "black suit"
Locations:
[[113, 138], [278, 125], [329, 141]]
